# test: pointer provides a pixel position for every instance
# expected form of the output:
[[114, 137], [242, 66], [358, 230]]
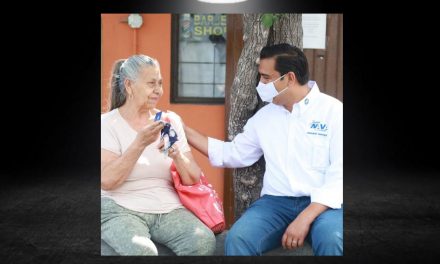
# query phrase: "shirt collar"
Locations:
[[300, 107]]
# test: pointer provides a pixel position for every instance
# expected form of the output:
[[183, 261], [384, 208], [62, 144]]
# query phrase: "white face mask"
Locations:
[[267, 91]]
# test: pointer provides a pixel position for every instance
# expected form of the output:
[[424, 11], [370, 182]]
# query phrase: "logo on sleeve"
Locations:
[[317, 128]]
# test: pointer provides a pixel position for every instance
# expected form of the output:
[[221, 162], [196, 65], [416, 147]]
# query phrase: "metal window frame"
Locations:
[[175, 97]]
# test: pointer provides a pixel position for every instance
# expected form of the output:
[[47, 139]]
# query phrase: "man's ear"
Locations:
[[291, 76]]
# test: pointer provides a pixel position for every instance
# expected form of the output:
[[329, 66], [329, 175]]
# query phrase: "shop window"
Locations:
[[198, 58]]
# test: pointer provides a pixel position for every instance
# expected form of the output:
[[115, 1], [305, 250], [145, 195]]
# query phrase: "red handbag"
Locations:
[[202, 200]]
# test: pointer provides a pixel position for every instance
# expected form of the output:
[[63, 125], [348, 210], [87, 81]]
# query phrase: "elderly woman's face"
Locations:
[[148, 86]]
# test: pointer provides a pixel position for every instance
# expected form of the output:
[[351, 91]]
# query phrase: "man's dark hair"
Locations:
[[288, 58]]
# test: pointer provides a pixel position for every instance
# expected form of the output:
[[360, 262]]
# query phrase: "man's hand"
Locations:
[[296, 233]]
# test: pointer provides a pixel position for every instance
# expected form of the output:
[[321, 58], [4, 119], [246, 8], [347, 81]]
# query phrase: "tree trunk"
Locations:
[[244, 100], [288, 29]]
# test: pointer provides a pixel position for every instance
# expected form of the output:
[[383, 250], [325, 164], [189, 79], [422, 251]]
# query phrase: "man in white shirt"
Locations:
[[300, 135]]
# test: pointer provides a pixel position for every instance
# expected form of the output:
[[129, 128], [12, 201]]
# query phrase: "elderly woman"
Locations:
[[139, 204]]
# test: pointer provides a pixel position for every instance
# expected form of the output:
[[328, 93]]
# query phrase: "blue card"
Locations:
[[158, 116]]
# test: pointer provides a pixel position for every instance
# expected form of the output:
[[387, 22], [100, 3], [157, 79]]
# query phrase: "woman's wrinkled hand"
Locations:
[[149, 133], [173, 151]]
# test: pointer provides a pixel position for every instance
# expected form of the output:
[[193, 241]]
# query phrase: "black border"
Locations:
[[51, 132]]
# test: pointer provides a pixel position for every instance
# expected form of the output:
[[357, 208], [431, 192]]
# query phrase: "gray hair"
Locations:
[[128, 69]]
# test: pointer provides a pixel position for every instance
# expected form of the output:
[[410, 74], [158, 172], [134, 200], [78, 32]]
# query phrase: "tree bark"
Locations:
[[288, 29], [244, 100]]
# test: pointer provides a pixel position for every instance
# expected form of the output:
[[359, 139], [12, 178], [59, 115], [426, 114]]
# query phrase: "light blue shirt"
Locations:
[[302, 148]]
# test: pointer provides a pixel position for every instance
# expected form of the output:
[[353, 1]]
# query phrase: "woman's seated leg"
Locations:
[[124, 231], [183, 233]]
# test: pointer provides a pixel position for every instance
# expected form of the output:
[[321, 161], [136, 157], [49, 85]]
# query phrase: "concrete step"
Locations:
[[306, 250]]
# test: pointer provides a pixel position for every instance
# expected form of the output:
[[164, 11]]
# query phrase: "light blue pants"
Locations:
[[262, 226], [131, 233]]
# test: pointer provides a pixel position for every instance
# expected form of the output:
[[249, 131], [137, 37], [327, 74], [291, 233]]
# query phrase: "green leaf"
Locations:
[[267, 20]]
